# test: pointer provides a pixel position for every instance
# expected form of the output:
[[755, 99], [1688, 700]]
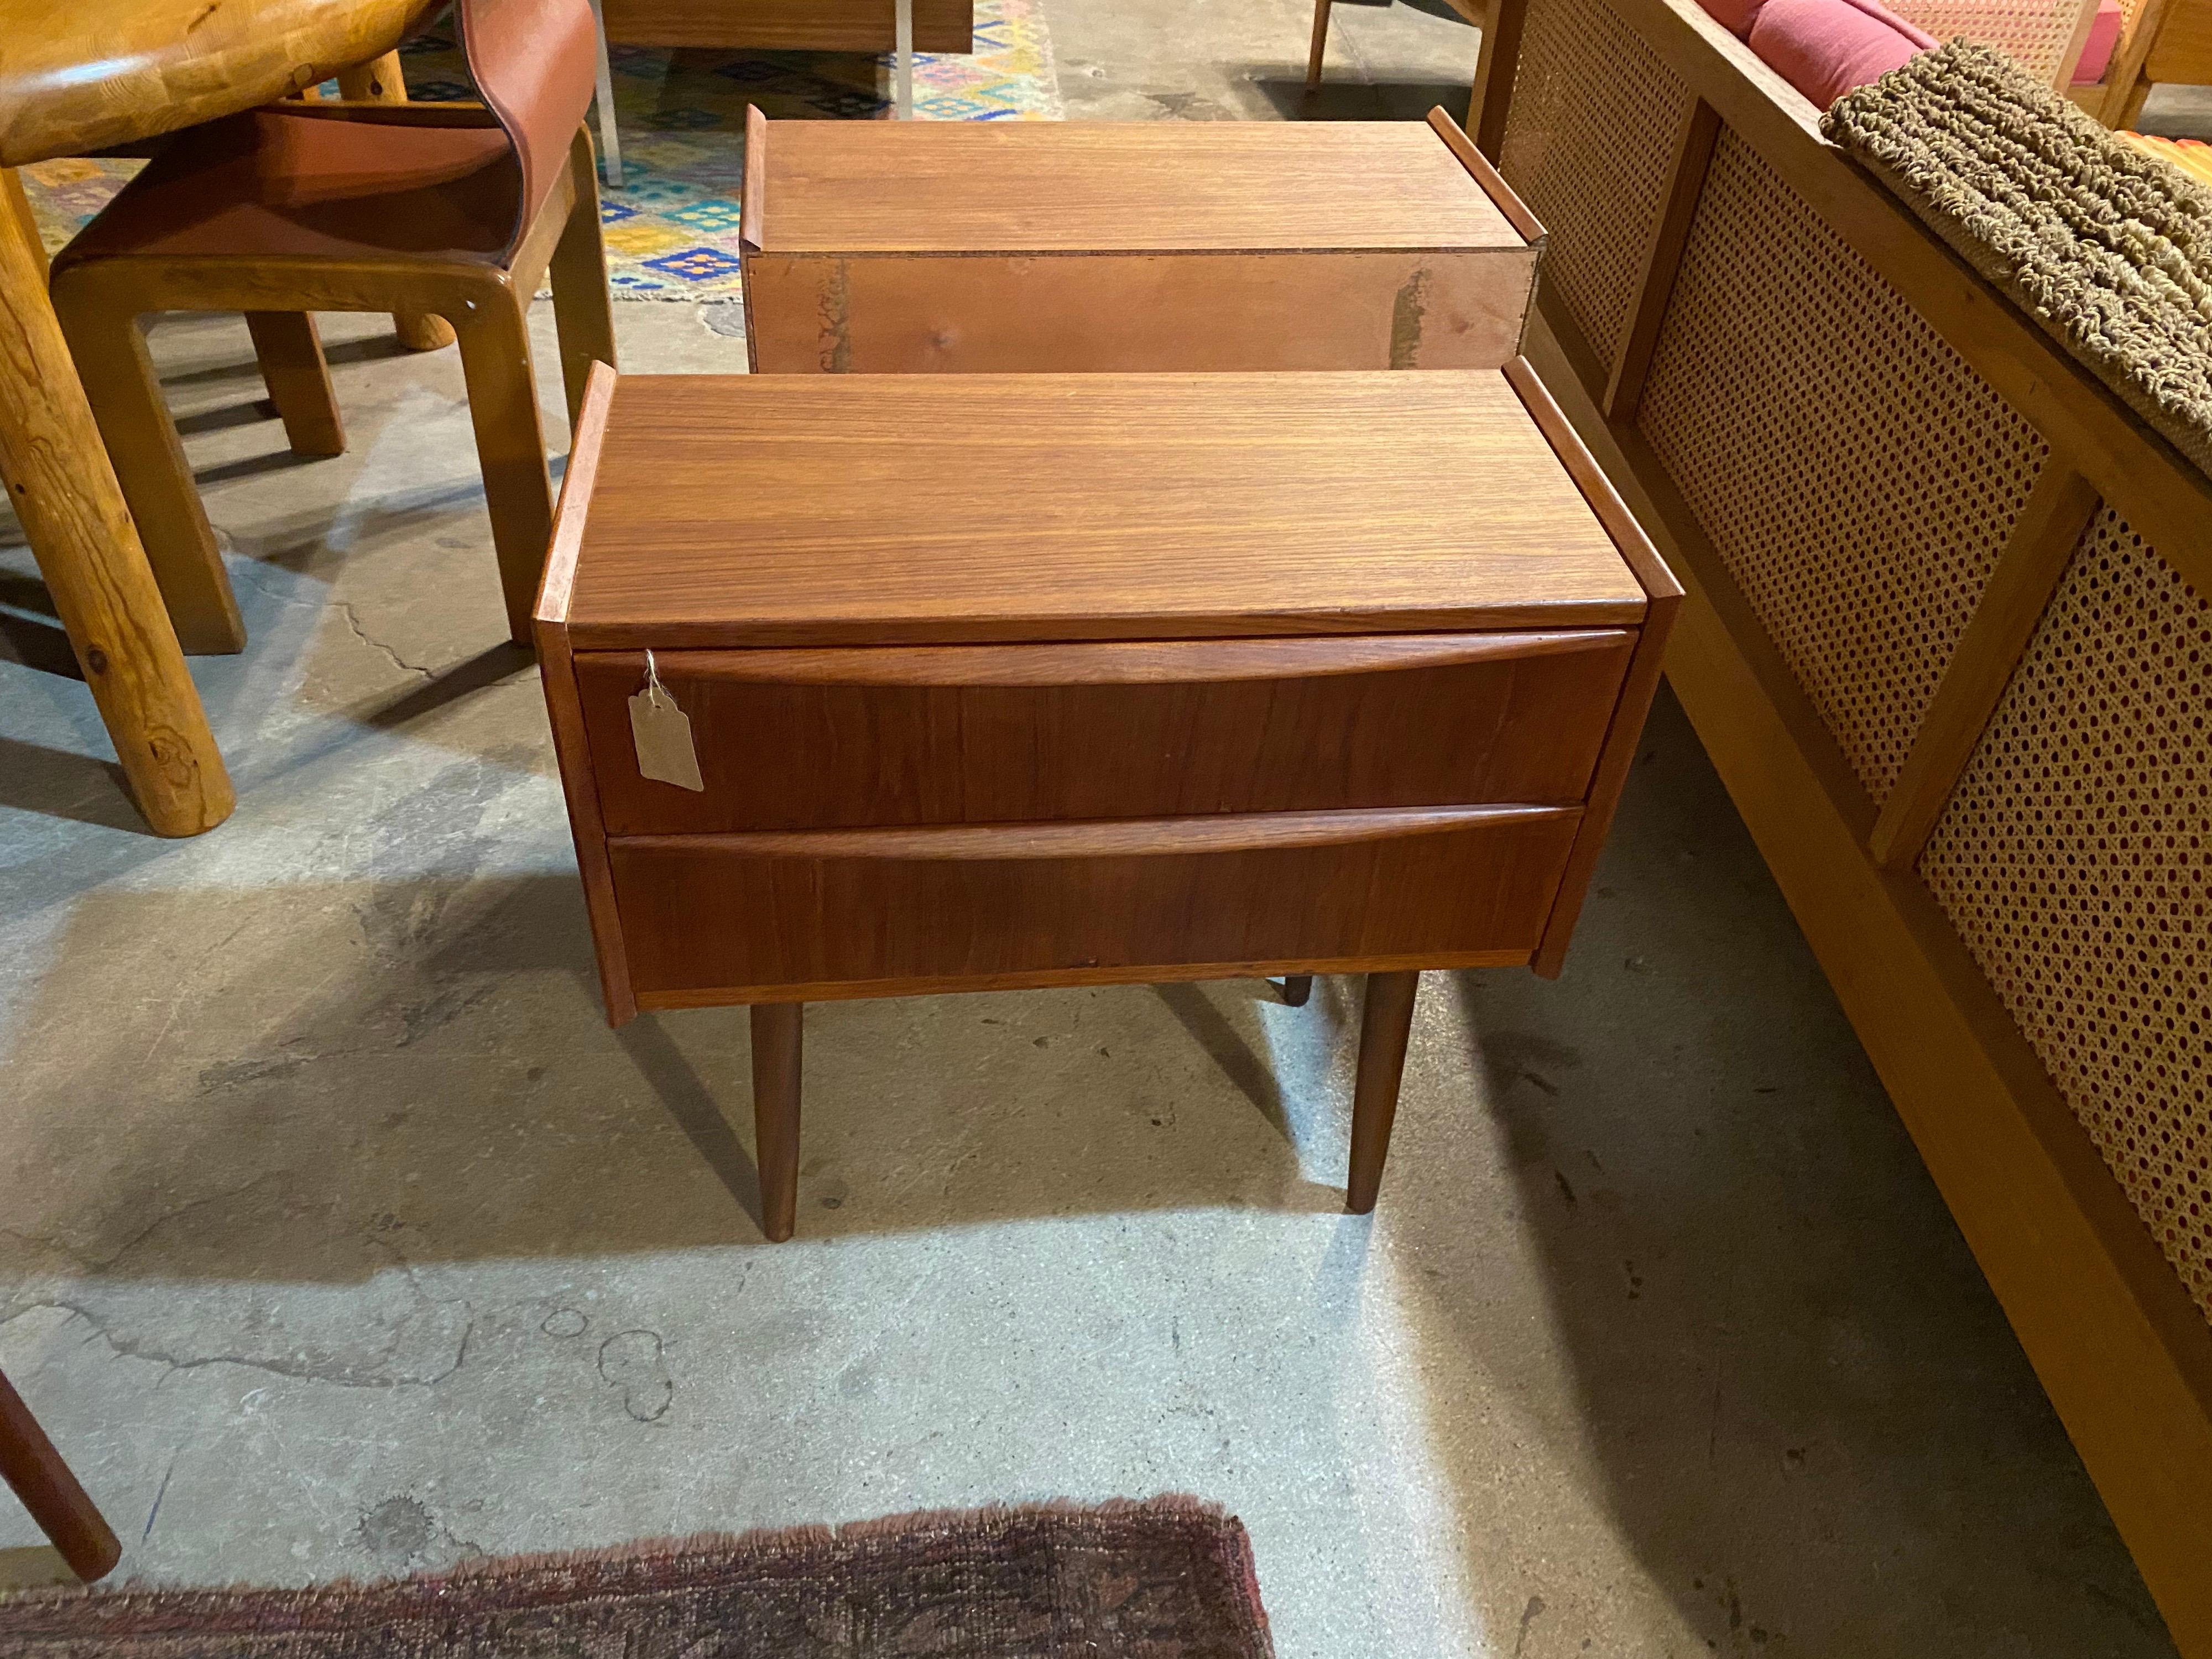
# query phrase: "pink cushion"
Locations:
[[1737, 16], [2097, 50], [1825, 48]]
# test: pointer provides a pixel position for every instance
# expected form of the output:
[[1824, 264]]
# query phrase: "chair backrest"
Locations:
[[2046, 36], [534, 62]]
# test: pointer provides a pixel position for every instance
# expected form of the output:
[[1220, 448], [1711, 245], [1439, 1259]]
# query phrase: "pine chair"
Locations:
[[455, 211]]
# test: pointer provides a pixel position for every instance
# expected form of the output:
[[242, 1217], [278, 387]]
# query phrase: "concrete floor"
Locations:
[[342, 1238]]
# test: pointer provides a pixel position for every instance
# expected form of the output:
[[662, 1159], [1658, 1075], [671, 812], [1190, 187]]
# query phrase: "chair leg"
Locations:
[[1385, 1024], [36, 1473], [1320, 44], [583, 312], [110, 349], [609, 133], [299, 380], [510, 446], [778, 1031]]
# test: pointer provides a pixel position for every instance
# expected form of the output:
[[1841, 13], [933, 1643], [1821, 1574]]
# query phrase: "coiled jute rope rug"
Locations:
[[2106, 245]]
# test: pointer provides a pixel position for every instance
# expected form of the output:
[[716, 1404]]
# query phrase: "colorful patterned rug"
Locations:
[[671, 229]]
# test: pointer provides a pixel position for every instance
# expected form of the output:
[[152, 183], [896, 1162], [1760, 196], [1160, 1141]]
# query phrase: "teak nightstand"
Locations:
[[1032, 680], [883, 247]]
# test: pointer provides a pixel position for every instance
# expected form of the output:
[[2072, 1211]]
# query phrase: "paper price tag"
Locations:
[[662, 732]]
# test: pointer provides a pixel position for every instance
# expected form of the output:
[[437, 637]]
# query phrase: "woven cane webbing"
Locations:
[[2075, 860], [1857, 477], [1589, 132], [2035, 33]]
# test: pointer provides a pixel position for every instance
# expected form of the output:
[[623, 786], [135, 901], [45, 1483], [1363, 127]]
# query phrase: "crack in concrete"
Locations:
[[353, 620], [337, 1373], [92, 1265]]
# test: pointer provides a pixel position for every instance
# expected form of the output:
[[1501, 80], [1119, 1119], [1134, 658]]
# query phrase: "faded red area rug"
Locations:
[[1167, 1578]]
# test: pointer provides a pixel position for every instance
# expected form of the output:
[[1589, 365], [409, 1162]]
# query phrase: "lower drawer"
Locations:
[[754, 917]]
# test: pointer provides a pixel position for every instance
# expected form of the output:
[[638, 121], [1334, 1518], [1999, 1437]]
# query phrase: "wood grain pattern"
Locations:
[[954, 509], [1063, 979], [556, 670], [1136, 313], [787, 26], [1480, 169], [17, 205], [2042, 544], [856, 187], [586, 437], [752, 917], [64, 490], [98, 73], [1029, 734], [2181, 48]]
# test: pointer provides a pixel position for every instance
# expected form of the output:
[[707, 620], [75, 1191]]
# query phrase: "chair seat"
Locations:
[[272, 183]]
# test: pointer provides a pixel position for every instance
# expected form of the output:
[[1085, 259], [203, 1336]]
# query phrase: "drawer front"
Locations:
[[1034, 733], [738, 918], [1136, 313]]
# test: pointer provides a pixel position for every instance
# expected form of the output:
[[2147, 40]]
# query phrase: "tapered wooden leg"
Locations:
[[50, 1491], [381, 82], [1320, 44], [17, 204], [298, 377], [582, 309], [1296, 988], [1384, 1025], [110, 348], [777, 1028], [510, 446]]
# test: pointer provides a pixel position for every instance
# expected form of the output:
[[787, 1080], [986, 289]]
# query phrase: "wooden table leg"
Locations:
[[50, 1491], [1385, 1024], [777, 1030], [381, 82], [64, 491], [1296, 988]]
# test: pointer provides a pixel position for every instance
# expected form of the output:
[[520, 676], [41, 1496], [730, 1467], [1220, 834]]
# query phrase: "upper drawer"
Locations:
[[1031, 733]]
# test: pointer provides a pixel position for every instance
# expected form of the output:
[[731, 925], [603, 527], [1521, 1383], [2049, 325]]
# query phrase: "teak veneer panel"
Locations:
[[785, 916], [1094, 187], [789, 25], [999, 734], [1054, 247], [788, 509]]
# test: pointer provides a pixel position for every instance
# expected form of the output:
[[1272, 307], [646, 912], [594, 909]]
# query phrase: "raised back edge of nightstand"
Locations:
[[556, 669], [1663, 597]]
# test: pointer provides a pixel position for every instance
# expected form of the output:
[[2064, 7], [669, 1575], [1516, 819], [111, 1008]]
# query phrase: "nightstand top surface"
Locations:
[[854, 509], [1108, 187]]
